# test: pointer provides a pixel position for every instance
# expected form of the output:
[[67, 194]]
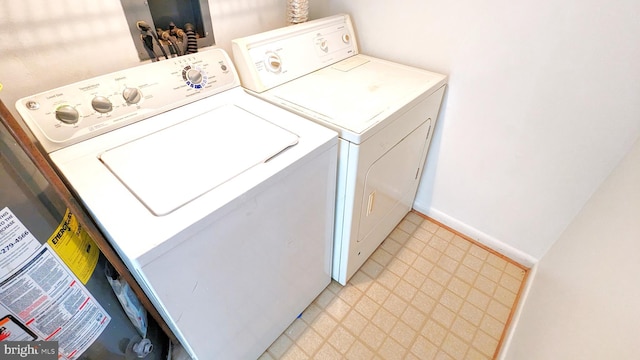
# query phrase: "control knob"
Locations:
[[195, 76], [101, 104], [67, 114], [132, 95], [273, 62]]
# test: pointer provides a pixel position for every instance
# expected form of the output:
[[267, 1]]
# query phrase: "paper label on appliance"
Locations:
[[11, 329], [75, 247], [17, 243], [45, 298]]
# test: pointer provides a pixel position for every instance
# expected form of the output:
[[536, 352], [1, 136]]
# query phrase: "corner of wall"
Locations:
[[477, 235], [513, 324]]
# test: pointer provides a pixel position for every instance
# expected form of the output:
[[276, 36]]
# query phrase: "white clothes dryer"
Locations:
[[221, 204], [384, 113]]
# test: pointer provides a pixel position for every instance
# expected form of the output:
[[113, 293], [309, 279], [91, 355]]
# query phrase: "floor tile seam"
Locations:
[[408, 235], [371, 258], [452, 273], [442, 302], [458, 263], [500, 300], [355, 339], [415, 338], [375, 351], [413, 242], [436, 265], [508, 289], [429, 260], [491, 268], [360, 287], [330, 316], [419, 273], [360, 295], [472, 284], [425, 222], [475, 328], [428, 316], [400, 276], [293, 342], [325, 341], [409, 217], [385, 296], [482, 352], [430, 312], [494, 318], [408, 250], [481, 290], [461, 340]]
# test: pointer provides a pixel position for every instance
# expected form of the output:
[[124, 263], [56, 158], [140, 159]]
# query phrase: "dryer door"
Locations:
[[391, 184]]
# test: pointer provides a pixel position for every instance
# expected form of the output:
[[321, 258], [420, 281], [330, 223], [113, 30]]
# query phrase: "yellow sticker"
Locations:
[[0, 86], [75, 247]]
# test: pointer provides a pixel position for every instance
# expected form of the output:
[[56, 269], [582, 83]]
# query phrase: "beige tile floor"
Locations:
[[425, 293]]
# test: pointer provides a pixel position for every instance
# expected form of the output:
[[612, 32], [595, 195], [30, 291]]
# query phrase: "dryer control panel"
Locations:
[[76, 112], [272, 58]]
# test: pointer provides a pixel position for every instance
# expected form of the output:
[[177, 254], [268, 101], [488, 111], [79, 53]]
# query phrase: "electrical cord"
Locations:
[[173, 45], [144, 29], [178, 34]]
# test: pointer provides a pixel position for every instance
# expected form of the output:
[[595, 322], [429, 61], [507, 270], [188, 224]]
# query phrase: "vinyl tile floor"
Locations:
[[426, 293]]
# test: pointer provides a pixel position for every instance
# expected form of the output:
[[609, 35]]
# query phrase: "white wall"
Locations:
[[583, 303], [46, 44], [542, 103]]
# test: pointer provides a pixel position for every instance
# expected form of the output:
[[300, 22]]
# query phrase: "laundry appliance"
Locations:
[[384, 113], [221, 204]]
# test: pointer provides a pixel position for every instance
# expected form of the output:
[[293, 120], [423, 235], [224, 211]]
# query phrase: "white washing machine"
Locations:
[[221, 204], [384, 113]]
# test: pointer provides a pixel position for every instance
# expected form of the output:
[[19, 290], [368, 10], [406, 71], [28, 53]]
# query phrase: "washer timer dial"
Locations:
[[194, 76]]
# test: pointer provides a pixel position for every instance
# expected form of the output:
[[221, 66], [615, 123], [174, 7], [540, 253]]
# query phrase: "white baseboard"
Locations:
[[513, 325], [484, 239]]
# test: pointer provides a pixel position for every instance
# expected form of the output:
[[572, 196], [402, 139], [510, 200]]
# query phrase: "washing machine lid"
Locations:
[[169, 168], [357, 93]]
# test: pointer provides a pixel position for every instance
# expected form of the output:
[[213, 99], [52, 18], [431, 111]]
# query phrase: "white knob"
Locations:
[[67, 114], [324, 46], [273, 62], [132, 95], [101, 104], [195, 76]]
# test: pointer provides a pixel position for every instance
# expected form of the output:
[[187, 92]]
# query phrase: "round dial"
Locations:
[[132, 95], [195, 77], [273, 62], [67, 114], [101, 104]]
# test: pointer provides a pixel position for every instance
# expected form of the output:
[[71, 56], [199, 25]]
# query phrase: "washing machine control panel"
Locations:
[[76, 112], [272, 58]]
